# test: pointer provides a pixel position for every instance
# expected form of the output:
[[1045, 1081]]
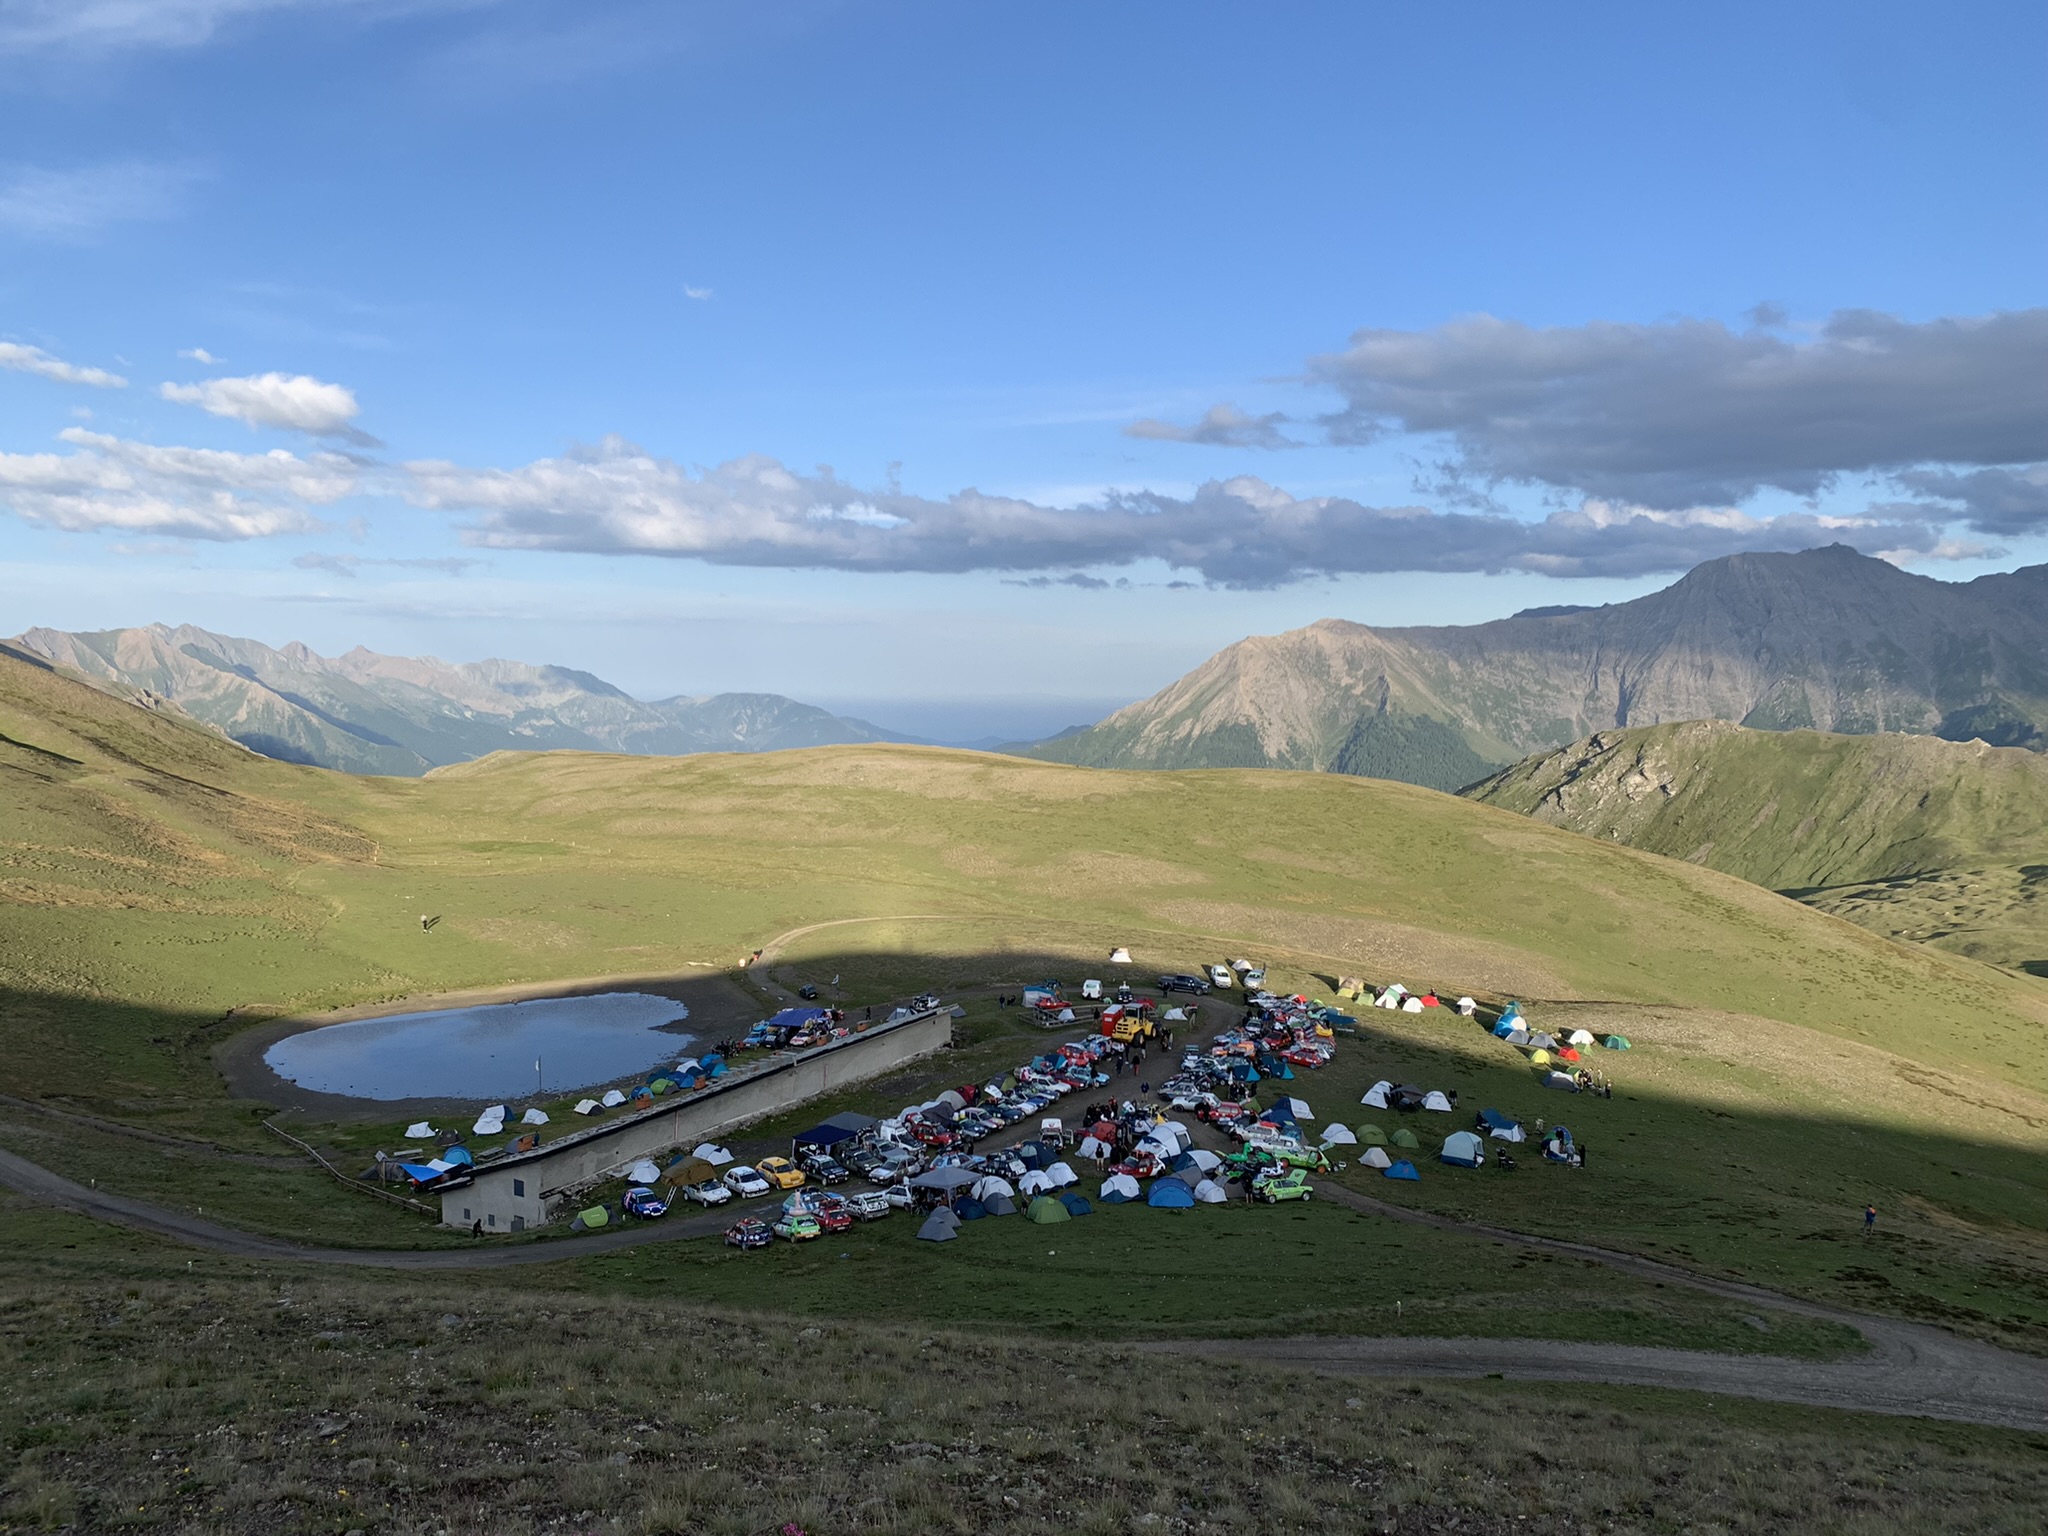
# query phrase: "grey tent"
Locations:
[[937, 1229], [999, 1205], [945, 1179]]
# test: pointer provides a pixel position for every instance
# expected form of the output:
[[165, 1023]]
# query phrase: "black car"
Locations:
[[807, 992], [826, 1170], [1193, 984]]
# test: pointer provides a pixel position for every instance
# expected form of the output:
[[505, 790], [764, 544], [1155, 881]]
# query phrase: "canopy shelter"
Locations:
[[945, 1180], [1462, 1149], [826, 1134]]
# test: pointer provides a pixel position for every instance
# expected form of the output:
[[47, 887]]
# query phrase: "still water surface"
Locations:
[[486, 1052]]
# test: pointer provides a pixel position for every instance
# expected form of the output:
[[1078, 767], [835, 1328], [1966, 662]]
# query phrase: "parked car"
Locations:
[[1220, 976], [807, 992], [864, 1161], [781, 1173], [799, 1227], [1190, 984], [645, 1203], [931, 1135], [746, 1183], [901, 1197], [825, 1168], [710, 1192], [834, 1215], [1091, 991], [749, 1232], [1293, 1184], [868, 1205]]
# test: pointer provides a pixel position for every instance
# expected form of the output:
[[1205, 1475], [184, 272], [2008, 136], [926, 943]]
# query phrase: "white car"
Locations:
[[747, 1182], [1091, 991], [710, 1192], [1221, 976], [901, 1196]]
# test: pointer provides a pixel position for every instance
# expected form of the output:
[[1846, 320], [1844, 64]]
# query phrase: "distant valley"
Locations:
[[1826, 640], [368, 713]]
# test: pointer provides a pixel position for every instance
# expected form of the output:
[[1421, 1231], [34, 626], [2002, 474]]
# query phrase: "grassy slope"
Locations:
[[1941, 842], [430, 1404], [1767, 1097]]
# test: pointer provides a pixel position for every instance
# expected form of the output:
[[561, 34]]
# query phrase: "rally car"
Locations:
[[749, 1232]]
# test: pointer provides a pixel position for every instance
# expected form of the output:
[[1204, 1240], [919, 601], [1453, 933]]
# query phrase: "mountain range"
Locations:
[[1827, 639], [1938, 842], [368, 713]]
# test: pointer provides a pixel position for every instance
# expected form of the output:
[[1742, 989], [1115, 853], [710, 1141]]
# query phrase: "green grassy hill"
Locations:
[[1941, 842], [163, 889]]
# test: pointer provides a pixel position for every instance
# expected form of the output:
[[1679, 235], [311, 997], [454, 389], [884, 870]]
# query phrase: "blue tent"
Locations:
[[1508, 1024], [1171, 1195], [970, 1210], [797, 1018], [1185, 1160], [1113, 1197], [420, 1173], [825, 1135], [1402, 1170], [1494, 1120], [1078, 1204]]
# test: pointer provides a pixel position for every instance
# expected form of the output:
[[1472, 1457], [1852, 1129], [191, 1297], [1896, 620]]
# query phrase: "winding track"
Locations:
[[1910, 1370]]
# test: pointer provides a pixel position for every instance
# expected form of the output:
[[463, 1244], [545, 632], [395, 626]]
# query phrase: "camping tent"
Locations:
[[1119, 956], [1170, 1195], [1091, 1148], [1405, 1138], [1061, 1175], [1209, 1192], [1467, 1007], [999, 1205], [1036, 1183], [420, 1128], [490, 1122], [992, 1185], [1076, 1203], [642, 1172], [587, 1106], [1411, 1005], [1045, 1210], [1339, 1136], [1539, 1058], [1617, 1043], [1580, 1037], [1372, 1136], [534, 1117], [939, 1227], [1205, 1160], [685, 1171], [613, 1098], [1543, 1042], [590, 1220], [712, 1153], [1119, 1187], [1376, 1096], [1563, 1080], [1402, 1170], [1297, 1108], [1435, 1100], [970, 1210], [1462, 1149], [1376, 1157]]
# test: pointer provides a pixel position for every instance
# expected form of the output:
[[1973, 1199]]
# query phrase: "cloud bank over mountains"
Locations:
[[1652, 442]]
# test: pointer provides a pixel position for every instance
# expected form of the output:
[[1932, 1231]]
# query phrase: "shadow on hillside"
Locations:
[[1719, 1182]]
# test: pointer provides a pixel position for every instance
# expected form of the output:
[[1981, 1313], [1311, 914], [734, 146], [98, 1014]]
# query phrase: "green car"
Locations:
[[798, 1227], [1305, 1157], [1291, 1185]]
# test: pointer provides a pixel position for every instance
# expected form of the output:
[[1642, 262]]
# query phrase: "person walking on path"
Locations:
[[1869, 1220]]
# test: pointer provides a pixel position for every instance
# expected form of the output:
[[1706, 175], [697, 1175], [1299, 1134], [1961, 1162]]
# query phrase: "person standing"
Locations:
[[1869, 1220]]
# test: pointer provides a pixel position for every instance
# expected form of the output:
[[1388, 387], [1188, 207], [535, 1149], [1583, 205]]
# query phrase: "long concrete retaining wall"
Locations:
[[512, 1194]]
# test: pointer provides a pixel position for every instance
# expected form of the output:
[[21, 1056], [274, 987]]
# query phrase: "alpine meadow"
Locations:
[[905, 769]]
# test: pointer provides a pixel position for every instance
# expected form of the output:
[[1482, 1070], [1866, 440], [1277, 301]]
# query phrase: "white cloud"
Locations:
[[198, 355], [23, 359], [31, 24], [194, 493], [75, 204], [616, 498], [294, 401], [1221, 426], [699, 294]]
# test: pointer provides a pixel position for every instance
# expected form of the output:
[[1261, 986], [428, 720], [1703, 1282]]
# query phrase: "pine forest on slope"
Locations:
[[1823, 640], [369, 713]]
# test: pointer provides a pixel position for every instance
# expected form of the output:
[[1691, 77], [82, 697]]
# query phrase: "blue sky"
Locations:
[[526, 328]]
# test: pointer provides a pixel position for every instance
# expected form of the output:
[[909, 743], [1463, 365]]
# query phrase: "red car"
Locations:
[[1140, 1165], [931, 1135], [834, 1216]]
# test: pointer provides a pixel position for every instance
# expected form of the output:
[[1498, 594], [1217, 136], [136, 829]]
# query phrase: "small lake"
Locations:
[[486, 1052]]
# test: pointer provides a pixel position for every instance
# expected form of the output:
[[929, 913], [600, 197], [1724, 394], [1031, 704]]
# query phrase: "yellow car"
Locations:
[[781, 1172]]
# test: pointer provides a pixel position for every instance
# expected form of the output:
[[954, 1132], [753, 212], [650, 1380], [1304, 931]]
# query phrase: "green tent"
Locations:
[[1009, 1082], [1617, 1043], [1045, 1210], [596, 1216], [1371, 1136], [1405, 1138]]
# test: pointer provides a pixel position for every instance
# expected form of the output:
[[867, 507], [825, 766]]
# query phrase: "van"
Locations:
[[1092, 991]]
